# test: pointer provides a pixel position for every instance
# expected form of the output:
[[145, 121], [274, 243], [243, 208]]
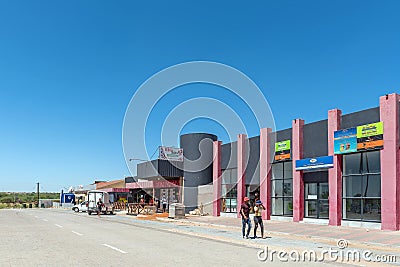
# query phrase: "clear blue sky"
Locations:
[[69, 68]]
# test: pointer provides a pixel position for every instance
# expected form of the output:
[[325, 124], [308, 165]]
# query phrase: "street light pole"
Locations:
[[38, 194]]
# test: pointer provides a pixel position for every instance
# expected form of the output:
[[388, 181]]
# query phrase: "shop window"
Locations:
[[229, 191], [362, 187], [282, 189]]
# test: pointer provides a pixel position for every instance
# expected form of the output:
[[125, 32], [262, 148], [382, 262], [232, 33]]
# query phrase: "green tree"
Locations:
[[7, 199]]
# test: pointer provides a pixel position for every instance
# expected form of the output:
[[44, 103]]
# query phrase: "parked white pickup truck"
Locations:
[[80, 207]]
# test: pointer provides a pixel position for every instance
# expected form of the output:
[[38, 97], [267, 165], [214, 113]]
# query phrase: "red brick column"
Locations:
[[390, 165], [241, 164], [298, 183], [335, 174], [217, 178], [265, 171]]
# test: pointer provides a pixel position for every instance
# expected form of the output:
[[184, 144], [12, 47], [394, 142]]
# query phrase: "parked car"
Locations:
[[81, 207]]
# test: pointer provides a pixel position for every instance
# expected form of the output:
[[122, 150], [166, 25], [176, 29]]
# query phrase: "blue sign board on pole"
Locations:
[[345, 141], [68, 198], [314, 163]]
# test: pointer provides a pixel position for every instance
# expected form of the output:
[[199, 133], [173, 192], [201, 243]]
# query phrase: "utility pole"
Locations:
[[38, 194]]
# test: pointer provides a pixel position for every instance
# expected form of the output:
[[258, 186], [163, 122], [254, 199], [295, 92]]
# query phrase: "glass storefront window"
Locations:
[[372, 209], [287, 187], [288, 206], [362, 186], [323, 191], [311, 191], [351, 164], [352, 186], [277, 171], [371, 162], [277, 188], [371, 185], [323, 209], [311, 209], [229, 191], [277, 206], [359, 163], [287, 169], [352, 209], [316, 200], [282, 189]]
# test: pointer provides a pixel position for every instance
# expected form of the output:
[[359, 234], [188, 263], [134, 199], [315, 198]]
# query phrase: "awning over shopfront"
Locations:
[[153, 184], [116, 190]]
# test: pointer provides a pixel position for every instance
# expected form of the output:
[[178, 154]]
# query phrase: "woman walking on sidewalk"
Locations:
[[258, 209], [245, 212]]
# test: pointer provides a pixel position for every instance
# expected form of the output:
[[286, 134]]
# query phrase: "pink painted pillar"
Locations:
[[217, 178], [335, 174], [241, 164], [298, 183], [390, 165], [265, 171]]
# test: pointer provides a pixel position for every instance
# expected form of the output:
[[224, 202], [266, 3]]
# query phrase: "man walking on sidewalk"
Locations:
[[258, 209], [245, 212]]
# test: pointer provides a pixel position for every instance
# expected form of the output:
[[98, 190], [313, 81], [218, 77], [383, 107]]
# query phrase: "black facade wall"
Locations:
[[229, 156], [193, 174], [168, 168], [315, 140], [147, 169], [130, 179], [252, 172], [316, 177], [159, 167], [360, 118]]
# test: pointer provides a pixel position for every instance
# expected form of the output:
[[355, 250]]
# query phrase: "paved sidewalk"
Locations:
[[305, 230]]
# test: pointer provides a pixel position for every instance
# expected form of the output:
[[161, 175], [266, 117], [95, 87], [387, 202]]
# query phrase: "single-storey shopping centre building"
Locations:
[[344, 170]]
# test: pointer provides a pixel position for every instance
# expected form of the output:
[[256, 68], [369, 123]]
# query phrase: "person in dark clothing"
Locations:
[[245, 212], [258, 209], [99, 206]]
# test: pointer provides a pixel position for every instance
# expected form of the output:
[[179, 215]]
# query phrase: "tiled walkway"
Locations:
[[355, 235]]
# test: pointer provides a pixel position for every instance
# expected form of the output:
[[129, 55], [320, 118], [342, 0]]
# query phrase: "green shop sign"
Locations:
[[282, 146], [368, 130], [282, 150]]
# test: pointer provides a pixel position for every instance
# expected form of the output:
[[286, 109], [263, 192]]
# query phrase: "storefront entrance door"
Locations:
[[316, 200], [170, 194]]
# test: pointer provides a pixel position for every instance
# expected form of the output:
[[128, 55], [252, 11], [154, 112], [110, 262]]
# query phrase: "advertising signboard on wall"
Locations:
[[345, 141], [314, 163], [370, 136], [282, 150], [171, 153], [364, 137]]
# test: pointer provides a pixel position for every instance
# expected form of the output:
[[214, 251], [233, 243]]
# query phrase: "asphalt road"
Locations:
[[40, 237]]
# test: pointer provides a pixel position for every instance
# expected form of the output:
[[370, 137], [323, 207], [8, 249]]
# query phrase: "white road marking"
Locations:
[[116, 249], [77, 233], [36, 217], [59, 226], [45, 220]]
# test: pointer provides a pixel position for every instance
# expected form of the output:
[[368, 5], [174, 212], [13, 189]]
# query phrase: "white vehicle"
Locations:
[[80, 207], [92, 199]]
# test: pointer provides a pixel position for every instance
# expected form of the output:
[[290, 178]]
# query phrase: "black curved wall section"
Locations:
[[196, 147]]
